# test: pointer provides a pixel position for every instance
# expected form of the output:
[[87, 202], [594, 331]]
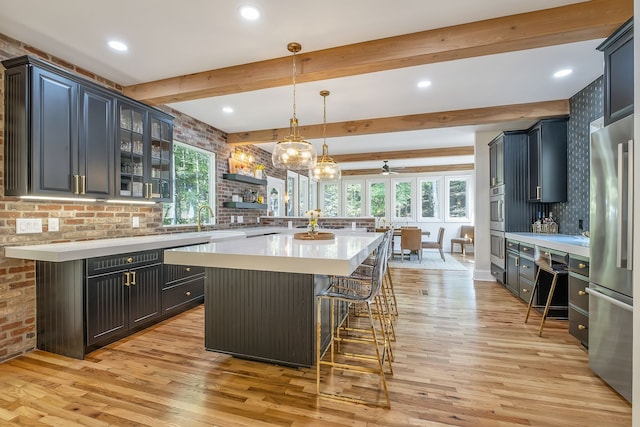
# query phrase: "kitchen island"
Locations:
[[260, 292]]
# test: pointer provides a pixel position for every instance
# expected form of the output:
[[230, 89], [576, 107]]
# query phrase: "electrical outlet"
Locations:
[[28, 225], [258, 220], [233, 219], [53, 224], [135, 223], [240, 219]]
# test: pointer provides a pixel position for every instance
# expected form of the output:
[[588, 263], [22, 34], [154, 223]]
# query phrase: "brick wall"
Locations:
[[85, 221]]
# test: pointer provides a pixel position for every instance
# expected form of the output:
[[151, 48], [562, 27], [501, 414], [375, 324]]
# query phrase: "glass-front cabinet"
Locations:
[[145, 144]]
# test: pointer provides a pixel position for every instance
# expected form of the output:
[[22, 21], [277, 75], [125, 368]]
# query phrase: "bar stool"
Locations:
[[555, 269], [364, 288]]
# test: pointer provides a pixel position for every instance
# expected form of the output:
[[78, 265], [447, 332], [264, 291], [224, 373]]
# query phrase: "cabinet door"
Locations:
[[132, 158], [95, 157], [618, 74], [496, 162], [535, 189], [54, 133], [106, 303], [513, 273], [144, 294], [160, 156]]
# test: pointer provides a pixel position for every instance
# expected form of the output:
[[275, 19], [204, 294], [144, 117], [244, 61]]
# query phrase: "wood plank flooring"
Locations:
[[463, 357]]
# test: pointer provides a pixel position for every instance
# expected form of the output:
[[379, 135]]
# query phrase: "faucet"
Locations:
[[200, 212]]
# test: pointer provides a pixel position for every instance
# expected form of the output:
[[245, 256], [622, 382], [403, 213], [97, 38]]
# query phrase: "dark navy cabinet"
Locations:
[[547, 154]]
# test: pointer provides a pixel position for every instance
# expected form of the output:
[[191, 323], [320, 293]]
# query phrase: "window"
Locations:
[[458, 208], [193, 185], [378, 192], [291, 198], [313, 194], [329, 198], [402, 198], [303, 191], [353, 198], [429, 202]]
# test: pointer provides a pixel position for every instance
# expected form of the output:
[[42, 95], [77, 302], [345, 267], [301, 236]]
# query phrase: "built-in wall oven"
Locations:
[[496, 217], [497, 255]]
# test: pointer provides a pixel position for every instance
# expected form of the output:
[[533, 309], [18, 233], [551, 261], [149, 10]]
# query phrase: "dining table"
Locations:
[[397, 232]]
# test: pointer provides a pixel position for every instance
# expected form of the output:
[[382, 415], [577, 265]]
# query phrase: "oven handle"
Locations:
[[607, 298]]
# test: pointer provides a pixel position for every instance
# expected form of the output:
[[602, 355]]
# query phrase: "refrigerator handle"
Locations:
[[621, 196], [630, 205], [607, 298]]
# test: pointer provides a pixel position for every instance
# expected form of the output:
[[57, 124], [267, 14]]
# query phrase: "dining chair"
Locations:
[[466, 238], [435, 245], [410, 240]]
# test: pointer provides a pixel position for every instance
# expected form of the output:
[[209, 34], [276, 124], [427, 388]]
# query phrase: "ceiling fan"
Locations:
[[386, 170]]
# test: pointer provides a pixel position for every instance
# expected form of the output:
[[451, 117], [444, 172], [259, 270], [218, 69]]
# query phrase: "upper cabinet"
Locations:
[[547, 154], [496, 162], [618, 73], [65, 136]]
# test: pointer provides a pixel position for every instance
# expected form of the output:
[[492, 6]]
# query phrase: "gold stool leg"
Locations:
[[546, 307], [533, 292]]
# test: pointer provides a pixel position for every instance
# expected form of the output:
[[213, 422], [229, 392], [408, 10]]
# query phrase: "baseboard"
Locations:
[[483, 275]]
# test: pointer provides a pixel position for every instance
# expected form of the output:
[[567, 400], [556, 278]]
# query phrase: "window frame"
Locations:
[[438, 181], [345, 194], [322, 191], [212, 185], [412, 182], [387, 195], [469, 198]]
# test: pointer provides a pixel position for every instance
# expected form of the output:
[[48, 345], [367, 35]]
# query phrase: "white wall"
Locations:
[[482, 261]]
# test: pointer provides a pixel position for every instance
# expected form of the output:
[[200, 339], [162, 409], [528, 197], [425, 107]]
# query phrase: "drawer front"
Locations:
[[527, 269], [182, 293], [498, 273], [526, 287], [579, 265], [527, 250], [512, 245], [111, 263], [579, 326], [173, 273], [577, 294]]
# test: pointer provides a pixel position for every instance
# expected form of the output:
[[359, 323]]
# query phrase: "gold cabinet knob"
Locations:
[[129, 260], [581, 265], [188, 269], [582, 327], [525, 266], [525, 249], [188, 293], [525, 290], [581, 293]]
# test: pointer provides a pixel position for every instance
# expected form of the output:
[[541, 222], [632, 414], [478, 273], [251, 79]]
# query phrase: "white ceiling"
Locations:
[[168, 38]]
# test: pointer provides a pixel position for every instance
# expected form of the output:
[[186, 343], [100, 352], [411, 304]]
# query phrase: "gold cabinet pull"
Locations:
[[581, 265], [129, 260], [525, 266], [188, 293], [188, 269], [133, 277], [83, 179], [525, 290], [525, 249], [127, 279], [581, 293], [582, 327], [76, 184]]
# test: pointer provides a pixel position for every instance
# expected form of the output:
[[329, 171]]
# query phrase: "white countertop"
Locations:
[[282, 253], [576, 245], [71, 251]]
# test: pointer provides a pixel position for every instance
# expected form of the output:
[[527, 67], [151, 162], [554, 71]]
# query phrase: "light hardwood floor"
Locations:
[[463, 357]]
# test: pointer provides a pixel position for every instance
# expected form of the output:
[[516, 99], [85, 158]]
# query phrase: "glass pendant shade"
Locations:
[[326, 169], [293, 152]]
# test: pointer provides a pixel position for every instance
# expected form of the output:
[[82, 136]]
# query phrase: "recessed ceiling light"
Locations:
[[424, 83], [563, 73], [227, 110], [119, 46], [249, 13]]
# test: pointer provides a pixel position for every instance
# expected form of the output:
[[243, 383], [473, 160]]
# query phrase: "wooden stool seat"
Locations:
[[555, 270]]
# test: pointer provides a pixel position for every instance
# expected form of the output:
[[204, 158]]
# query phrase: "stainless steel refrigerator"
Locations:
[[611, 255]]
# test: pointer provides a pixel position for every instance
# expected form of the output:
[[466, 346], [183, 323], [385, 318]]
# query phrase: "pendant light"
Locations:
[[293, 152], [326, 169]]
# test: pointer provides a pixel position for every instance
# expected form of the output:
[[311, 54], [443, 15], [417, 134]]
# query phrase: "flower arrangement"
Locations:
[[313, 216], [258, 171]]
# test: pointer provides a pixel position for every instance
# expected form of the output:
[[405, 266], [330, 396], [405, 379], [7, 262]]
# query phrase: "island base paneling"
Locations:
[[263, 315]]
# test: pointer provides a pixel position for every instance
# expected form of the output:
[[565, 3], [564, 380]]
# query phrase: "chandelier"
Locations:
[[293, 152], [326, 169]]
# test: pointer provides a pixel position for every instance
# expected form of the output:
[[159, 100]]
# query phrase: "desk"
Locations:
[[260, 293]]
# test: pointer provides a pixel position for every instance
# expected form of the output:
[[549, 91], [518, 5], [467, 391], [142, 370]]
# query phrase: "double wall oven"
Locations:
[[497, 230]]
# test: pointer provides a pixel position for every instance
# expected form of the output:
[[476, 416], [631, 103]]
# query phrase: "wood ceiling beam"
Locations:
[[572, 23], [413, 169], [406, 154], [468, 117]]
